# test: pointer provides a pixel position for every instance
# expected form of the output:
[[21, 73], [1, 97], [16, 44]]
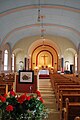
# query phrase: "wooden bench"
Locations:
[[77, 118], [72, 98], [2, 89], [8, 85], [71, 110], [63, 85], [67, 91], [67, 86]]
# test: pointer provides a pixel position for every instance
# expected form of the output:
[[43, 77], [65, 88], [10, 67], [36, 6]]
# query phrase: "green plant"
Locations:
[[24, 107]]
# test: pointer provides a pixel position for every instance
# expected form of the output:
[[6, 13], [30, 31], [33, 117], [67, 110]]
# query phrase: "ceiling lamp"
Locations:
[[38, 19]]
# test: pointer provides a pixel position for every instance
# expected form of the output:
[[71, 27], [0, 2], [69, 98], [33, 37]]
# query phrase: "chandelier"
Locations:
[[40, 20]]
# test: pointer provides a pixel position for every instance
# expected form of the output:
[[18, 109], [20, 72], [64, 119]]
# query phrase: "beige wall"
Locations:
[[60, 44]]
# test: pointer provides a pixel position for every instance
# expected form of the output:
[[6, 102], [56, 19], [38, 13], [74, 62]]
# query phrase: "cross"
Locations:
[[44, 59]]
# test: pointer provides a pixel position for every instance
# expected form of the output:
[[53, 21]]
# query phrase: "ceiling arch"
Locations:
[[16, 33], [18, 19], [47, 43]]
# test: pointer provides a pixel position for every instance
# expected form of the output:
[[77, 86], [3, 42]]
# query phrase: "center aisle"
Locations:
[[49, 98]]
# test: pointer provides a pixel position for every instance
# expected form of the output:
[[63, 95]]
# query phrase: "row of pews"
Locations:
[[6, 82], [67, 92]]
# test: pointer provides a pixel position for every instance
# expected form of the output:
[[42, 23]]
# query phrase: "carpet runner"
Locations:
[[49, 98]]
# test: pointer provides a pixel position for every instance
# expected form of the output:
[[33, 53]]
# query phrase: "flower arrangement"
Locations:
[[24, 107]]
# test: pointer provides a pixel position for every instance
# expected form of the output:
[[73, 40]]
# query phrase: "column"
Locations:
[[62, 64], [0, 59], [14, 63], [28, 63], [25, 63], [59, 64]]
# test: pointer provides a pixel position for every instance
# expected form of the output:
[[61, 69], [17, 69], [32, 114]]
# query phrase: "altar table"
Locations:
[[44, 72]]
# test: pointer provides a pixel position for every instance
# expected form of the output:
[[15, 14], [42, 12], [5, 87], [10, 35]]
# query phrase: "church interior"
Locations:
[[40, 42]]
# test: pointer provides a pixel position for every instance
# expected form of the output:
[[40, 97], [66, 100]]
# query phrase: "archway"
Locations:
[[43, 56]]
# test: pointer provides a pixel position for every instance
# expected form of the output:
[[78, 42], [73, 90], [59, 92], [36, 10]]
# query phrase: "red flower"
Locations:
[[22, 98], [9, 108], [0, 97], [28, 98], [5, 95], [41, 99], [12, 93], [38, 93], [3, 99]]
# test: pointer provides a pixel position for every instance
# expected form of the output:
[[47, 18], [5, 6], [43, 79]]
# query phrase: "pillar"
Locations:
[[14, 63], [25, 63], [62, 64], [28, 64], [0, 59]]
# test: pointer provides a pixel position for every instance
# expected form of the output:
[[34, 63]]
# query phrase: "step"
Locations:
[[46, 92], [53, 116], [49, 98]]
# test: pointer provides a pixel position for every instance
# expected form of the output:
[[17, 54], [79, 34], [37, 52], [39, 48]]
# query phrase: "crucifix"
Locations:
[[44, 58]]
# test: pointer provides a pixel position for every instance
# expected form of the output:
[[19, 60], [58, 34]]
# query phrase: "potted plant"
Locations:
[[24, 107]]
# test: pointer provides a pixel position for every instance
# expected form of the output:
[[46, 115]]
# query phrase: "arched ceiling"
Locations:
[[18, 19]]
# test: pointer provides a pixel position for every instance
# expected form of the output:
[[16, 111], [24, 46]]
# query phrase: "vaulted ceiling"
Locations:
[[19, 19]]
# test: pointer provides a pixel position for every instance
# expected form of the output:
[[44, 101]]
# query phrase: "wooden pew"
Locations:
[[77, 118], [9, 77], [72, 98], [67, 86], [7, 81], [2, 89], [63, 85], [60, 81], [8, 85], [71, 110], [67, 91]]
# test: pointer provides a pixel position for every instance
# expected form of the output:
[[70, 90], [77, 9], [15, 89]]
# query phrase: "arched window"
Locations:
[[75, 63], [5, 60], [12, 62]]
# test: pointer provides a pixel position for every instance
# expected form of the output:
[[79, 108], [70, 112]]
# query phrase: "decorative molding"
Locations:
[[19, 9]]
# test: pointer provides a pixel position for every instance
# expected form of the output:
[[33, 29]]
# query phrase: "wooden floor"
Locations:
[[49, 98]]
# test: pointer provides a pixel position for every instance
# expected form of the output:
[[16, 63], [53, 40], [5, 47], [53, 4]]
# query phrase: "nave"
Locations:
[[49, 98], [61, 95]]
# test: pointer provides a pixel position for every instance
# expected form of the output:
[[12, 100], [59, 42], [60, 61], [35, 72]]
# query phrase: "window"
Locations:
[[12, 62], [5, 60], [75, 63]]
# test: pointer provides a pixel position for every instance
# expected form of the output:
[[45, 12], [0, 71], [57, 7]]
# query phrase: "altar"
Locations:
[[43, 72]]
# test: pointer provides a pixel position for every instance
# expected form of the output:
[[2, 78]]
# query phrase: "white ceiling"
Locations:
[[18, 19]]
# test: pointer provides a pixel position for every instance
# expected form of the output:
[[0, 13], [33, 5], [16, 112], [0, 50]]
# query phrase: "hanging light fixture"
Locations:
[[40, 19], [39, 14], [42, 27], [42, 37]]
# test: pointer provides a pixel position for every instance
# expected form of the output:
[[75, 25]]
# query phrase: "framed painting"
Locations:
[[26, 76]]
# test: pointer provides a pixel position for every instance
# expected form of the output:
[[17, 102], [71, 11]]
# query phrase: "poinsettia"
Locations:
[[24, 107]]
